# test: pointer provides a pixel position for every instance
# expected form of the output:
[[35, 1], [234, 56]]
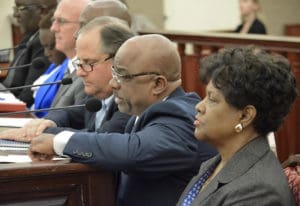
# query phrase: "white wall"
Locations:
[[200, 15], [5, 25]]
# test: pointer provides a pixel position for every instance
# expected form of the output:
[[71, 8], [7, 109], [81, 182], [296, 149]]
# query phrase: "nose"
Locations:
[[200, 106], [54, 27], [46, 52], [114, 84], [80, 72], [16, 13]]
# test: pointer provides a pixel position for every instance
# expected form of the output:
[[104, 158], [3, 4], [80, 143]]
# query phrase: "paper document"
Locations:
[[7, 97], [23, 158], [13, 122]]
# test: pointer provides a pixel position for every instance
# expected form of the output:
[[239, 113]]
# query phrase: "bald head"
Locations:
[[100, 8], [49, 4], [151, 52]]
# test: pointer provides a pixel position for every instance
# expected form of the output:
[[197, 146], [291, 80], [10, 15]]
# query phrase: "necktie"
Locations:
[[100, 115]]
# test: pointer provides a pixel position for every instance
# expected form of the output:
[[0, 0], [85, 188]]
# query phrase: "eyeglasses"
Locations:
[[62, 21], [26, 7], [127, 77], [89, 67]]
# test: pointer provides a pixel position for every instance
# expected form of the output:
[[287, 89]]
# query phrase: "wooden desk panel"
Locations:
[[55, 183]]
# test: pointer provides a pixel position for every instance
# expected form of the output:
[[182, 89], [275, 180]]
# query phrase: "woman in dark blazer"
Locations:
[[250, 23], [249, 92]]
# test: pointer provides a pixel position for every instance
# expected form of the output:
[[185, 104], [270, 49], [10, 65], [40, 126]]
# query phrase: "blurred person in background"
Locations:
[[250, 22], [44, 95], [28, 14]]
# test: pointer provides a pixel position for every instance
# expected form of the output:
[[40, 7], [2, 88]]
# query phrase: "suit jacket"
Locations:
[[253, 176], [70, 94], [156, 158], [81, 119], [27, 75], [257, 27]]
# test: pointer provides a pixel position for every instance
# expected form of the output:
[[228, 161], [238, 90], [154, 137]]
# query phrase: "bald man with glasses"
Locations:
[[158, 153]]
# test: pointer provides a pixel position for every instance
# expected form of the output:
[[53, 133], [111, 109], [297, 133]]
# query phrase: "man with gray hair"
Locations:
[[96, 45]]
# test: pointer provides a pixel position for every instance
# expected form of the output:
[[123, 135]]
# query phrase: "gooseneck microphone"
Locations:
[[37, 63], [64, 81], [92, 105], [20, 46]]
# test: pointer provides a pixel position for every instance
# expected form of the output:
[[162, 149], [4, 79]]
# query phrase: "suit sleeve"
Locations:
[[26, 95], [164, 143]]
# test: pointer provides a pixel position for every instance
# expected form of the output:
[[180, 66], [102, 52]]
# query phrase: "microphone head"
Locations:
[[93, 105], [39, 63], [66, 81]]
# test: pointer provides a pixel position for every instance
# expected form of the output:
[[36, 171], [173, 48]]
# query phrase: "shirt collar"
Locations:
[[71, 66], [106, 102]]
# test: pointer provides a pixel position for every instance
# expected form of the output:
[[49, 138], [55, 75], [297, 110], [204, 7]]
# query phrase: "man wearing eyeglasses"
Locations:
[[65, 22], [158, 154], [28, 14], [56, 121]]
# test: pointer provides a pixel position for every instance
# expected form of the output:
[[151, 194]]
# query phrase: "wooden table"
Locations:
[[55, 183]]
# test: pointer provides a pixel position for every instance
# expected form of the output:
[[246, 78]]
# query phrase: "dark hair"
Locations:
[[250, 76], [113, 33]]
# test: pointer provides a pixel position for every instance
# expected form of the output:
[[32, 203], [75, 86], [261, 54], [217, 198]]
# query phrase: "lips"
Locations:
[[197, 121], [117, 98]]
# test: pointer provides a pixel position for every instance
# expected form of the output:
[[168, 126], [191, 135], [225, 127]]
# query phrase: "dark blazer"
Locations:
[[257, 27], [27, 75], [157, 157], [252, 177], [81, 119]]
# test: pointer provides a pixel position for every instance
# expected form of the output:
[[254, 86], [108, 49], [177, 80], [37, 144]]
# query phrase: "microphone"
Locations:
[[92, 105], [64, 81], [20, 46], [37, 63]]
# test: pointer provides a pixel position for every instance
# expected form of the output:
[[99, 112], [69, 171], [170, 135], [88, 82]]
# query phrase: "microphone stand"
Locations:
[[27, 86], [41, 110]]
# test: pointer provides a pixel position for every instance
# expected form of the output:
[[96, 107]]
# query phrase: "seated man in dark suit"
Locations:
[[28, 14], [158, 153], [94, 67]]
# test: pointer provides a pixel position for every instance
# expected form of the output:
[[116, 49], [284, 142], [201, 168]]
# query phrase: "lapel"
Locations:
[[130, 125], [64, 88], [239, 164], [133, 126]]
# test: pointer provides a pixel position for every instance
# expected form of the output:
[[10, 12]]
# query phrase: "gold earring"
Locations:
[[238, 128]]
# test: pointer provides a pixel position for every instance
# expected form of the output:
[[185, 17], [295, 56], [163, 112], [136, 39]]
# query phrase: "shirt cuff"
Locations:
[[60, 141]]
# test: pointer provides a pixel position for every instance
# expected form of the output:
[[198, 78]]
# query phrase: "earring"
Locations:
[[238, 128]]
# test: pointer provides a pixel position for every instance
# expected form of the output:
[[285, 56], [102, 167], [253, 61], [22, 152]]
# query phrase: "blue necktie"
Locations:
[[100, 115]]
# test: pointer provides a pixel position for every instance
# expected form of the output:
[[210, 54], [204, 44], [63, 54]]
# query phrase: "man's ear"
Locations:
[[160, 85], [248, 115]]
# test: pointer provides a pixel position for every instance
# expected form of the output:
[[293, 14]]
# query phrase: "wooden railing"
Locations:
[[192, 47]]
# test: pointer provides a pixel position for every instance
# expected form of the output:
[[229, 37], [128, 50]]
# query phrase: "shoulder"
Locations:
[[258, 27]]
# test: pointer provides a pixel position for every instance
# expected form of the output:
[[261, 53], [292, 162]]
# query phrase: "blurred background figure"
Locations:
[[65, 23], [44, 95], [250, 23], [28, 13], [140, 22]]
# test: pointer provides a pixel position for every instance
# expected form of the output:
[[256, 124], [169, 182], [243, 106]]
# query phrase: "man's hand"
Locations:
[[15, 134], [41, 148], [31, 130], [37, 126]]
